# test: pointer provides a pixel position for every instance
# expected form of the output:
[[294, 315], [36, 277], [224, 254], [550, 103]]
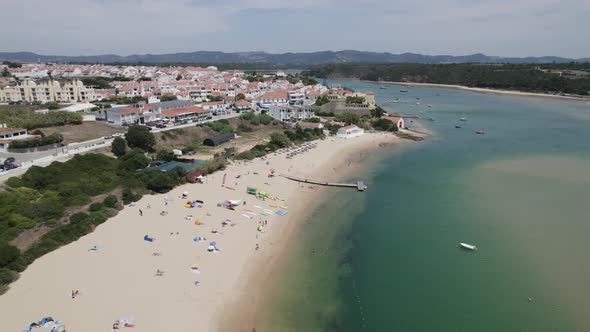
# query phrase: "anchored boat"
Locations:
[[467, 246]]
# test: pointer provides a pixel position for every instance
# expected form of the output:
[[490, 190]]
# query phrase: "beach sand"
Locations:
[[484, 90], [119, 279]]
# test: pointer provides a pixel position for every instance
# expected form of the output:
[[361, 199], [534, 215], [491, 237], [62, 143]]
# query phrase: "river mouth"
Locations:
[[391, 263]]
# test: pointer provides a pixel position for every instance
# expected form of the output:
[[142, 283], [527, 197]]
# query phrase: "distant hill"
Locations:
[[313, 58]]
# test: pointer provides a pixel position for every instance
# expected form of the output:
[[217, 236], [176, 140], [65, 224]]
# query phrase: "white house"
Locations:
[[8, 135], [350, 132], [273, 98], [215, 107], [291, 113]]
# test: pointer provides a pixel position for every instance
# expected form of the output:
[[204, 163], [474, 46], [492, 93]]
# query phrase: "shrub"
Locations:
[[78, 217], [129, 196], [384, 125], [8, 254], [279, 139], [134, 160], [7, 276], [14, 182], [54, 138], [110, 201], [95, 207], [165, 155], [247, 116], [158, 181]]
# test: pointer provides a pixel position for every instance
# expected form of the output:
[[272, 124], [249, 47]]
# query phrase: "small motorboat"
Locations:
[[463, 119], [429, 105], [480, 132], [403, 90], [457, 127], [467, 246], [382, 87]]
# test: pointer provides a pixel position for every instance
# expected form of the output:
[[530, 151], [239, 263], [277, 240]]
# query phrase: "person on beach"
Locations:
[[140, 212], [149, 206]]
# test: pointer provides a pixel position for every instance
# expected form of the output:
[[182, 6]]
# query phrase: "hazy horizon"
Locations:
[[507, 28]]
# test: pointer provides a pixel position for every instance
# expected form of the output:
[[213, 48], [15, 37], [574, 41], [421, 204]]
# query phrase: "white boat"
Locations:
[[463, 119], [467, 246]]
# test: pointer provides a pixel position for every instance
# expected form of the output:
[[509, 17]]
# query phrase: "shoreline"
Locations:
[[485, 90], [260, 283], [118, 280]]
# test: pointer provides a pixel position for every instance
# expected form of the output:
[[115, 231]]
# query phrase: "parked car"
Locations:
[[9, 160]]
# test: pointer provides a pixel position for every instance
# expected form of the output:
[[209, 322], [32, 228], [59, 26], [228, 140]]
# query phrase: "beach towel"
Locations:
[[281, 212]]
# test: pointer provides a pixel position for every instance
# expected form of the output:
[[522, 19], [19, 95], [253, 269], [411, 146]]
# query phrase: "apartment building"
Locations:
[[43, 91]]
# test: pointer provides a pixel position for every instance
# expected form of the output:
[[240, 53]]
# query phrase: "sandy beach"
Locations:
[[174, 283], [482, 90]]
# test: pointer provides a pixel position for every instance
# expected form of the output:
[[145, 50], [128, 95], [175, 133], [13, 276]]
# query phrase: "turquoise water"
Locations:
[[387, 260]]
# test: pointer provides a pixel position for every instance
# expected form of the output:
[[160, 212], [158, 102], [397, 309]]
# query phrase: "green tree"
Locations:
[[5, 72], [240, 96], [215, 98], [165, 155], [140, 137], [178, 77], [279, 139], [314, 120], [378, 112], [52, 105], [348, 118], [384, 125], [119, 147], [134, 160], [321, 100], [168, 98]]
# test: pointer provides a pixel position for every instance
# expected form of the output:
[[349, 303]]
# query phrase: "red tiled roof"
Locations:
[[183, 110], [280, 94]]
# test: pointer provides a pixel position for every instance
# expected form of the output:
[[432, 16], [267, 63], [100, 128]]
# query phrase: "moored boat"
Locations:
[[467, 246], [463, 119], [480, 132]]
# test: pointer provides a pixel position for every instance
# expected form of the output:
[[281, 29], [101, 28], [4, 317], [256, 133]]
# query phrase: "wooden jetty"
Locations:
[[360, 185]]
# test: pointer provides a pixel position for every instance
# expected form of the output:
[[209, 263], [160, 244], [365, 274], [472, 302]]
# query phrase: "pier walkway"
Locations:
[[360, 185]]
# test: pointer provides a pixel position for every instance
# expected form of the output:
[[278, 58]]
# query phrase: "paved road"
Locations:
[[44, 158]]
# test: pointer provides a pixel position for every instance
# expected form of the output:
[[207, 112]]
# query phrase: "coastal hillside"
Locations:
[[297, 58], [570, 78]]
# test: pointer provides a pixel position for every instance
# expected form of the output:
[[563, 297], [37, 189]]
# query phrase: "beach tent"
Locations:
[[231, 202], [148, 239], [251, 190], [281, 212], [260, 228]]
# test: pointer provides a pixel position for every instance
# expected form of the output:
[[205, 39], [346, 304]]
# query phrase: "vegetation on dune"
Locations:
[[17, 117], [43, 195], [280, 140], [523, 77], [55, 138]]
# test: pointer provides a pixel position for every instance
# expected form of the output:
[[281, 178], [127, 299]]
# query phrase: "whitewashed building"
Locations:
[[287, 113], [350, 132]]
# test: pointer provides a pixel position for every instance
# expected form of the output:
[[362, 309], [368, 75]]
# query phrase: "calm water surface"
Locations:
[[387, 260]]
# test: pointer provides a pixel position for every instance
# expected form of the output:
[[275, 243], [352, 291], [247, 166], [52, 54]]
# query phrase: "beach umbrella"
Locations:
[[211, 248], [213, 243]]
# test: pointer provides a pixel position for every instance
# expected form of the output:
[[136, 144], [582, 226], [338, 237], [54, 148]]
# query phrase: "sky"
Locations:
[[455, 27]]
